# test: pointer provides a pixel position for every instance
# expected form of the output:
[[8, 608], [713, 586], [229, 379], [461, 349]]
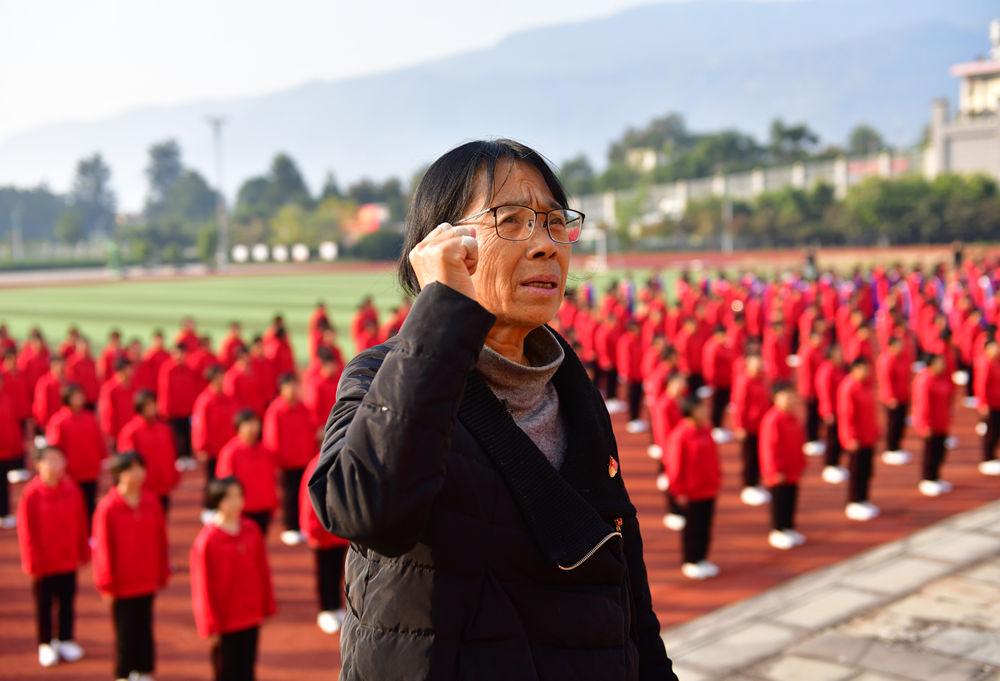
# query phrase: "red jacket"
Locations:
[[11, 435], [606, 344], [243, 386], [130, 546], [629, 357], [15, 386], [212, 421], [810, 358], [856, 413], [894, 377], [106, 361], [717, 363], [932, 399], [664, 415], [52, 528], [828, 378], [80, 369], [154, 440], [691, 460], [255, 468], [774, 352], [230, 580], [279, 352], [115, 406], [986, 381], [227, 350], [319, 393], [177, 388], [689, 348], [316, 534], [781, 441], [79, 437], [751, 398], [47, 399], [289, 433]]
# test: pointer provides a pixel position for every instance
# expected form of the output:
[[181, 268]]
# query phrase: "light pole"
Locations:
[[222, 248]]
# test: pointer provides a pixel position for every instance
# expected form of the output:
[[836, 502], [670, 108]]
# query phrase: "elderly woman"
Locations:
[[471, 462]]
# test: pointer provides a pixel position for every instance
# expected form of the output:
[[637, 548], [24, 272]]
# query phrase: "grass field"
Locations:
[[138, 307]]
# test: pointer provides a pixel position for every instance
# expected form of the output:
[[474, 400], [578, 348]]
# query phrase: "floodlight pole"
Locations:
[[222, 215]]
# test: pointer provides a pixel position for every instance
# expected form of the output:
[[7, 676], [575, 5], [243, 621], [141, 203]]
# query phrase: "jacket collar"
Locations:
[[567, 511]]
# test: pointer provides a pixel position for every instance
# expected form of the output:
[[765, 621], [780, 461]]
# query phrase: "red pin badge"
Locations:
[[612, 467]]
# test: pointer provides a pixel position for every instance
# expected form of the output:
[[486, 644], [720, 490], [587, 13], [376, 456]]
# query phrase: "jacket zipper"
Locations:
[[591, 551]]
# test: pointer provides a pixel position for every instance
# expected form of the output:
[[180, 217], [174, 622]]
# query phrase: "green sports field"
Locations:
[[138, 307]]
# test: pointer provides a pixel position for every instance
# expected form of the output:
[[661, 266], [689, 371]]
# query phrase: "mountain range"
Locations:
[[565, 89]]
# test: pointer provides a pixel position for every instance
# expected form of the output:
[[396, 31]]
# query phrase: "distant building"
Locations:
[[969, 142]]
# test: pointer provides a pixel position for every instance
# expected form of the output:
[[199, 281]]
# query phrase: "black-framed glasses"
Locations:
[[517, 223]]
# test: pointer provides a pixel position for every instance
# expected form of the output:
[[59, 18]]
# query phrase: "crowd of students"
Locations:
[[148, 416], [790, 367], [794, 366]]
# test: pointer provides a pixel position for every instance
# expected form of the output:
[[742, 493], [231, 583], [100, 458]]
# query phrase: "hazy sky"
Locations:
[[63, 59]]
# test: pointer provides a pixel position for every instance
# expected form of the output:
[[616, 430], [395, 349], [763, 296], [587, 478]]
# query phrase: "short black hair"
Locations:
[[781, 387], [859, 361], [244, 415], [42, 451], [122, 462], [689, 404], [449, 185], [286, 378], [212, 371], [141, 398], [217, 489], [122, 363], [68, 390]]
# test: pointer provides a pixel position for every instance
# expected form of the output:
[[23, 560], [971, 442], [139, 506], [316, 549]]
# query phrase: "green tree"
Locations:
[[93, 197], [163, 172], [578, 176], [790, 143], [864, 140], [69, 227], [285, 183]]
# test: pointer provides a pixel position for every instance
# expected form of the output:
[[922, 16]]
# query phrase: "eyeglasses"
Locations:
[[517, 223]]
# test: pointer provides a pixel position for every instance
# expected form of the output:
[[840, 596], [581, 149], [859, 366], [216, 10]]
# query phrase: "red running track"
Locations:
[[293, 647]]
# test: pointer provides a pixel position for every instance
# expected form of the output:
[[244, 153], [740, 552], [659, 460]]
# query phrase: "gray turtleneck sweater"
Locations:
[[527, 390]]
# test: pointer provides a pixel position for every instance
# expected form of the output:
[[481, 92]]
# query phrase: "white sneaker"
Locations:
[[136, 676], [636, 426], [780, 540], [710, 568], [960, 378], [674, 521], [704, 392], [991, 467], [814, 448], [945, 486], [970, 402], [982, 429], [793, 361], [896, 457], [8, 522], [721, 436], [47, 655], [328, 622], [662, 482], [951, 442], [755, 496], [930, 488], [207, 515], [615, 406], [694, 571], [291, 538], [862, 512], [18, 476], [874, 510], [69, 651], [835, 475], [797, 537], [654, 451], [917, 367]]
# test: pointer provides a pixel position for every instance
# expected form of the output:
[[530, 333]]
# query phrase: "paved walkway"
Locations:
[[924, 608]]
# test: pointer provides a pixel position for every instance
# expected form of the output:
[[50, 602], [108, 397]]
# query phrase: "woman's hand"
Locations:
[[448, 255]]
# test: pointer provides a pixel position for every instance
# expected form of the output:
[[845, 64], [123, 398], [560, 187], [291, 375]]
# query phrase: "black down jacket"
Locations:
[[471, 556]]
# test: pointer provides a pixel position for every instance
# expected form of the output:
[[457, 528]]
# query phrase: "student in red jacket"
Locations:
[[116, 402], [47, 395], [829, 374], [212, 421], [933, 392], [329, 552], [231, 590], [629, 363], [319, 387], [11, 452], [605, 345], [987, 390], [290, 435], [77, 433], [177, 387], [811, 355], [751, 398], [130, 562], [146, 434], [893, 372], [692, 463], [858, 431], [717, 366], [253, 465], [52, 533], [665, 414], [690, 343], [782, 461], [82, 370]]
